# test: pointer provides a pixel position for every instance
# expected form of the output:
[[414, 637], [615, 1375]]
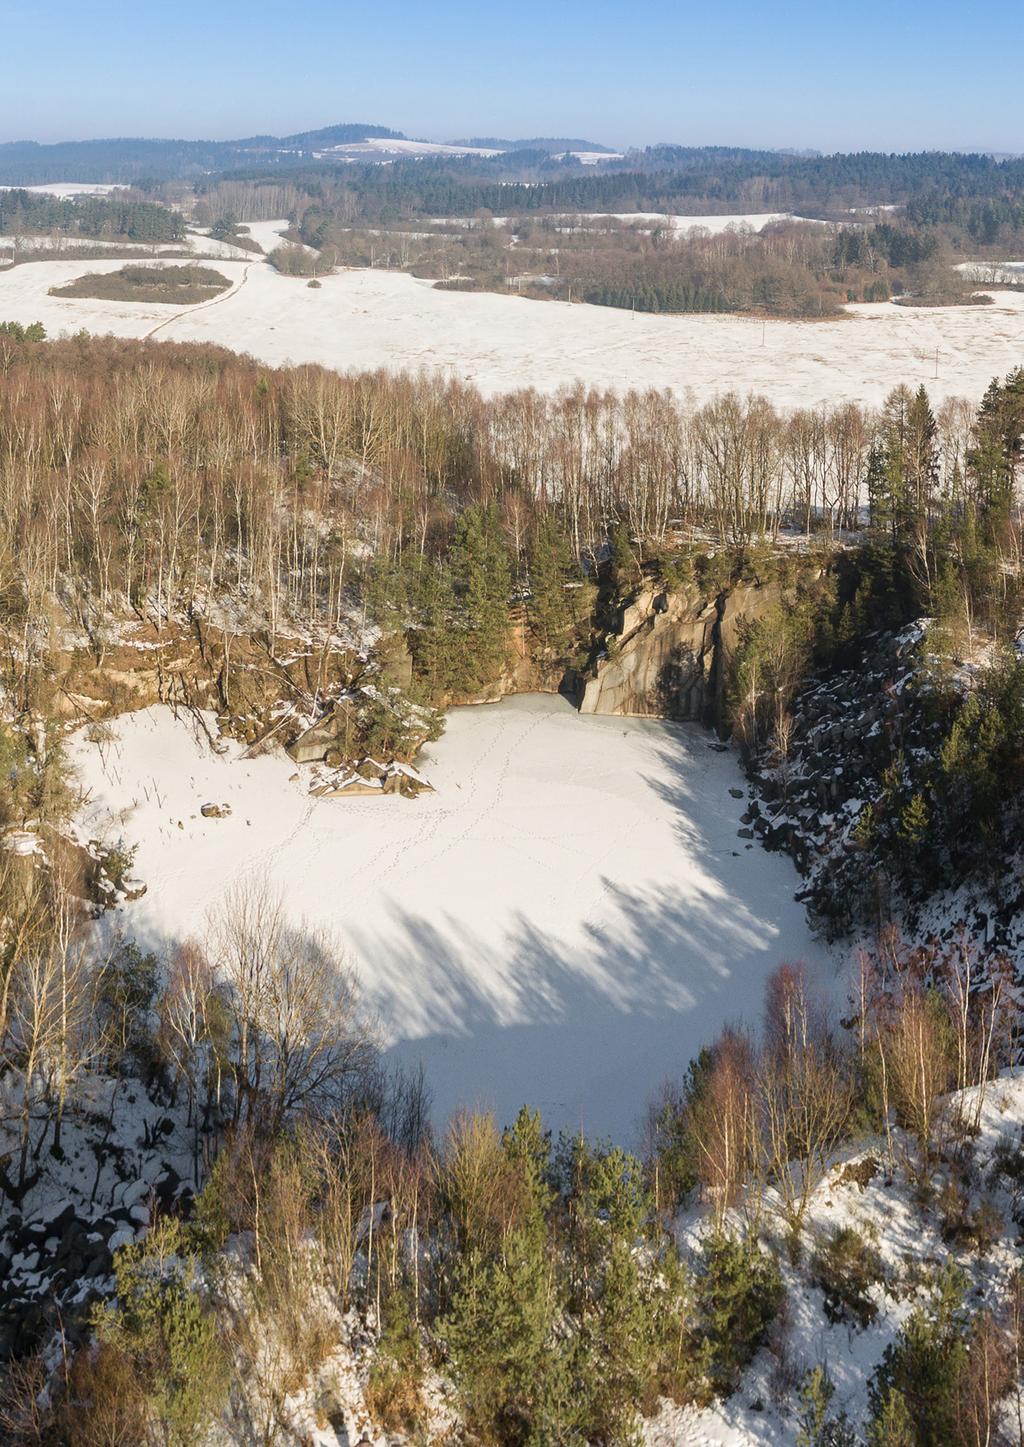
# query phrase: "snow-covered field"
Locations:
[[385, 147], [195, 241], [753, 221], [67, 189], [370, 319], [565, 921]]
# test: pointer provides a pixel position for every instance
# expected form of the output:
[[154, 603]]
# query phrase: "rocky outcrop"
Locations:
[[669, 656], [369, 779]]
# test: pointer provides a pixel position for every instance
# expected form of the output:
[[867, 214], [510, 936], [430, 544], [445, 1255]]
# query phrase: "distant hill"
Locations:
[[344, 135], [134, 159], [554, 145], [127, 160]]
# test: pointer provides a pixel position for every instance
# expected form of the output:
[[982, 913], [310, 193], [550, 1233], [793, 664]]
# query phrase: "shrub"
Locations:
[[162, 1328], [1008, 1168], [846, 1266], [291, 259], [118, 863], [739, 1294], [106, 1404], [394, 1392], [677, 571], [976, 1229], [714, 572]]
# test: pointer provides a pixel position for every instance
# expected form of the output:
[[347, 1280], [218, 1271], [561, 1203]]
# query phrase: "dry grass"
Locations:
[[173, 285]]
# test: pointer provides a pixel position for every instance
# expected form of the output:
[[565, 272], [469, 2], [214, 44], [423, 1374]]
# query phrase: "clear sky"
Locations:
[[906, 74]]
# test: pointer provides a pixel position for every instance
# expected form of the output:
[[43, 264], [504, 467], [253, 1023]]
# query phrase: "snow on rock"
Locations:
[[565, 921]]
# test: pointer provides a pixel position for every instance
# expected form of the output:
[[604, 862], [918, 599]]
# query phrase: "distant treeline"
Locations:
[[705, 179]]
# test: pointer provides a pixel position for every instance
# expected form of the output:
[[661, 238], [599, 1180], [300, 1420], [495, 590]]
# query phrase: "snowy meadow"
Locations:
[[367, 319]]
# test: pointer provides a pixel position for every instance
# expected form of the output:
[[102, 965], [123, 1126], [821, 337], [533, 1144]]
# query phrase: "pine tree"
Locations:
[[628, 1304], [510, 1367], [892, 1424], [995, 454], [739, 1294], [434, 642], [552, 569], [482, 577], [923, 1369]]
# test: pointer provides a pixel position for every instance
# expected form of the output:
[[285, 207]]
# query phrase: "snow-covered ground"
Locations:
[[267, 234], [384, 148], [750, 221], [565, 921], [195, 241], [370, 319], [753, 221]]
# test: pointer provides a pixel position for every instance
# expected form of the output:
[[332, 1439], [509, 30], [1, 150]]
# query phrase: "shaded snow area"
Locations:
[[565, 921], [370, 319], [874, 1196]]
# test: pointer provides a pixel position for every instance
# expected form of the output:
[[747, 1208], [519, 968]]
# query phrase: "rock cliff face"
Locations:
[[669, 656]]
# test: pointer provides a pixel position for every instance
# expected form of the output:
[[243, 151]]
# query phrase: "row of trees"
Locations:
[[749, 1110], [133, 428]]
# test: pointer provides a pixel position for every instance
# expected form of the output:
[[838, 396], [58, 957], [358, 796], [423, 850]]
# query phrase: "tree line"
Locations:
[[787, 269], [667, 178], [153, 478], [28, 213]]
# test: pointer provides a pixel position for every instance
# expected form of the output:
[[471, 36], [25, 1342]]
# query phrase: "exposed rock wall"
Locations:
[[669, 655]]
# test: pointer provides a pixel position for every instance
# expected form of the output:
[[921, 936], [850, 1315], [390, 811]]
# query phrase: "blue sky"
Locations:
[[898, 75]]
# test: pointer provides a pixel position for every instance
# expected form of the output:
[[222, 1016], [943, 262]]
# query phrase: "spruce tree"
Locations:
[[552, 568], [510, 1366], [482, 577]]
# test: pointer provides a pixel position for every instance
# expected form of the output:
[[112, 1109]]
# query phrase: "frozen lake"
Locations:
[[564, 922]]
